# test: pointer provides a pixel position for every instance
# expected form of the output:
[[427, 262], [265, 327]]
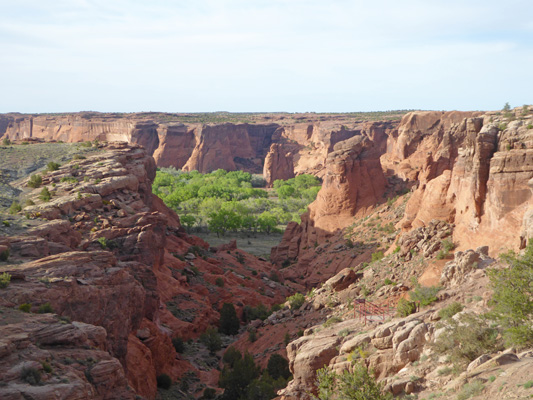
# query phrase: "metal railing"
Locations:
[[368, 311]]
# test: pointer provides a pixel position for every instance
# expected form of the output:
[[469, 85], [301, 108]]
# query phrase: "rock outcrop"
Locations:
[[353, 184], [107, 253], [278, 164], [470, 175], [45, 357]]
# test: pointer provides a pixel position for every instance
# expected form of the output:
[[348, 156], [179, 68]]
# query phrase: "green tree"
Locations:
[[278, 366], [267, 222], [52, 166], [285, 191], [467, 337], [15, 207], [506, 107], [45, 194], [231, 356], [188, 221], [512, 300], [211, 339], [229, 322], [357, 385], [224, 220], [35, 181], [235, 379]]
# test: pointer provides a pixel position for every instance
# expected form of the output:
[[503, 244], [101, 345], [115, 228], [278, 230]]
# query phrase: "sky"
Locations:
[[264, 56]]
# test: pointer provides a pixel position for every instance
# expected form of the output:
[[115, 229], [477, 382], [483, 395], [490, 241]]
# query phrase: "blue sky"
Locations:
[[255, 55]]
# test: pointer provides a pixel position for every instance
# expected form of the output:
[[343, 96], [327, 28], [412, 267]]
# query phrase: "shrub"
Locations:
[[405, 307], [512, 300], [88, 143], [451, 310], [6, 141], [296, 300], [46, 367], [163, 380], [231, 356], [219, 282], [103, 242], [209, 394], [31, 375], [425, 295], [229, 322], [466, 338], [278, 366], [252, 335], [45, 308], [530, 126], [69, 179], [358, 385], [286, 338], [52, 166], [5, 278], [344, 332], [448, 245], [470, 390], [4, 255], [25, 307], [275, 307], [179, 344], [235, 378], [29, 202], [35, 181], [211, 339], [15, 207], [45, 194], [378, 255], [331, 321], [253, 313], [442, 254]]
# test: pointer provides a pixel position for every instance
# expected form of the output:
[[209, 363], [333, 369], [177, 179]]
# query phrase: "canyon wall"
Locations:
[[469, 169], [107, 254], [463, 167], [277, 149]]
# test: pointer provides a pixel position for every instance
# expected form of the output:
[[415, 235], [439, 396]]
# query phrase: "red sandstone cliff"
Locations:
[[301, 147], [465, 170], [106, 252]]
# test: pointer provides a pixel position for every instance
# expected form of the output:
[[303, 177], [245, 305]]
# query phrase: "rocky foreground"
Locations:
[[121, 277]]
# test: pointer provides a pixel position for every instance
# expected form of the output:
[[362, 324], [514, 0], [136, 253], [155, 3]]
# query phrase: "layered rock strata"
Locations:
[[106, 252]]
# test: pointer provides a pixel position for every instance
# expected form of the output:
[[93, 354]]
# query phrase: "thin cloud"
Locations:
[[263, 55]]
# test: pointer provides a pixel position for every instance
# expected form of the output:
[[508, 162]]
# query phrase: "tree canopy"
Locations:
[[231, 201]]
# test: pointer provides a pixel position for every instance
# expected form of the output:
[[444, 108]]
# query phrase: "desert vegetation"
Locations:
[[222, 201]]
